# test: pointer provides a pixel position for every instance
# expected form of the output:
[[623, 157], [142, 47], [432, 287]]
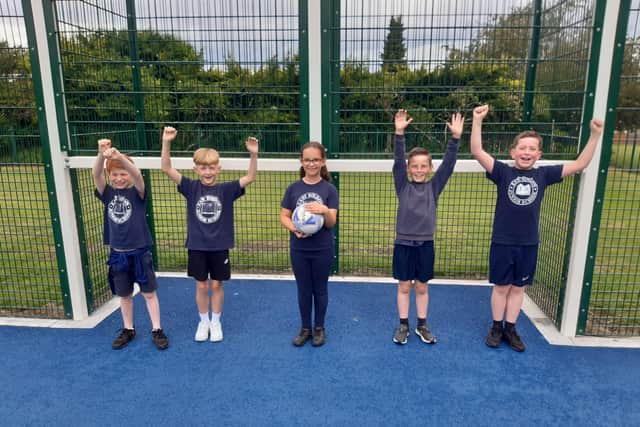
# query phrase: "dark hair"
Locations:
[[527, 134], [419, 151], [324, 172]]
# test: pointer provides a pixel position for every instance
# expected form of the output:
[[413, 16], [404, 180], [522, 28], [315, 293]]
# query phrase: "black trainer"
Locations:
[[511, 337], [425, 334], [123, 338], [303, 336], [160, 339], [400, 337], [318, 337], [495, 337]]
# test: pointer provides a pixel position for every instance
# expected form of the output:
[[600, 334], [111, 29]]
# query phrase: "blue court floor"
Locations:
[[255, 377]]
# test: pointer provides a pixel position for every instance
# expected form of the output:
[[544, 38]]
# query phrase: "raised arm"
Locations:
[[586, 155], [136, 175], [98, 165], [402, 121], [252, 148], [456, 125], [168, 135], [478, 153]]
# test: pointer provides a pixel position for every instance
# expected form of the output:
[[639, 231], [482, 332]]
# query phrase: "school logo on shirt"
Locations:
[[308, 198], [523, 191], [119, 209], [208, 209]]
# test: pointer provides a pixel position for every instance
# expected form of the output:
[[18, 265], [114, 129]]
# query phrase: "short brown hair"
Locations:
[[419, 151], [526, 134]]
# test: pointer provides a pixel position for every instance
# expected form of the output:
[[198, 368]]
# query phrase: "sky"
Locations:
[[252, 31]]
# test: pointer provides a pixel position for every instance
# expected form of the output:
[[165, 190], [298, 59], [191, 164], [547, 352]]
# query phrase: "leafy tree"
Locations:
[[394, 51], [629, 99]]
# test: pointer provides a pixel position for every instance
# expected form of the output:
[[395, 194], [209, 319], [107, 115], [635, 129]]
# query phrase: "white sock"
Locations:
[[204, 317], [215, 317]]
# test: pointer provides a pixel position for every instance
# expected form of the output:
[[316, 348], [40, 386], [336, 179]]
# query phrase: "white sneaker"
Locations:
[[215, 332], [202, 333]]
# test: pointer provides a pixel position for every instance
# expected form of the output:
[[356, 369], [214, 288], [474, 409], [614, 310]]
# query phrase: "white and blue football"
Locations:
[[307, 222]]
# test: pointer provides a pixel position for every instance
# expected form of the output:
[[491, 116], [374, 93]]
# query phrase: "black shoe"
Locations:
[[318, 337], [495, 337], [160, 339], [425, 334], [511, 337], [123, 339], [400, 337], [303, 336]]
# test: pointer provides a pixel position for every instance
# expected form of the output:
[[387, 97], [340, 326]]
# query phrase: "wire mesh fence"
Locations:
[[220, 71], [29, 281], [614, 303]]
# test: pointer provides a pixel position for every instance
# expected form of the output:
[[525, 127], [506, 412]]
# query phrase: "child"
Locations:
[[127, 233], [413, 252], [311, 256], [210, 232], [514, 243]]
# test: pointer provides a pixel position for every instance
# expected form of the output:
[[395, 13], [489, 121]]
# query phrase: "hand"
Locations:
[[103, 144], [402, 121], [112, 154], [316, 208], [252, 145], [479, 113], [169, 133], [596, 125], [456, 125], [300, 235]]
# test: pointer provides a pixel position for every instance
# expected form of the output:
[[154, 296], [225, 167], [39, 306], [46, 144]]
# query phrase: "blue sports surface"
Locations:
[[72, 377]]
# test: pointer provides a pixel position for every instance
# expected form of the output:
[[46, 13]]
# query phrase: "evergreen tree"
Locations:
[[394, 52]]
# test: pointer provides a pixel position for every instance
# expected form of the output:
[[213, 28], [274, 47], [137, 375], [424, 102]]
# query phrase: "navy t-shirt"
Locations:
[[125, 223], [210, 214], [300, 193], [519, 197]]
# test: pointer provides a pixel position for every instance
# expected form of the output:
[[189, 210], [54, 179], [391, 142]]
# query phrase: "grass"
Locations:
[[29, 271]]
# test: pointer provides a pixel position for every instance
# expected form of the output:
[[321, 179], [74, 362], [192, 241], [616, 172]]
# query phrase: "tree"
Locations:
[[629, 98], [394, 52]]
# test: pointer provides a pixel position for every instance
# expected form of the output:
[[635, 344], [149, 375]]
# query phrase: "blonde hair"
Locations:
[[206, 156], [116, 164]]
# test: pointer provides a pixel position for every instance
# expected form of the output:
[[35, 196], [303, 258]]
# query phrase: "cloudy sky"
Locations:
[[252, 31]]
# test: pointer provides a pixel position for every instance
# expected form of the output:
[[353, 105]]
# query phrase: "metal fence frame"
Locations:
[[320, 64]]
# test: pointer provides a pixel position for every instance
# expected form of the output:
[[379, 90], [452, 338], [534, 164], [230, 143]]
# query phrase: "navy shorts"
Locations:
[[203, 265], [512, 264], [413, 262], [123, 280]]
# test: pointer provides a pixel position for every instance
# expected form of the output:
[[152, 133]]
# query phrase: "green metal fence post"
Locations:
[[602, 68], [330, 76], [303, 35], [141, 135], [335, 176], [47, 81], [532, 65], [330, 52], [605, 157]]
